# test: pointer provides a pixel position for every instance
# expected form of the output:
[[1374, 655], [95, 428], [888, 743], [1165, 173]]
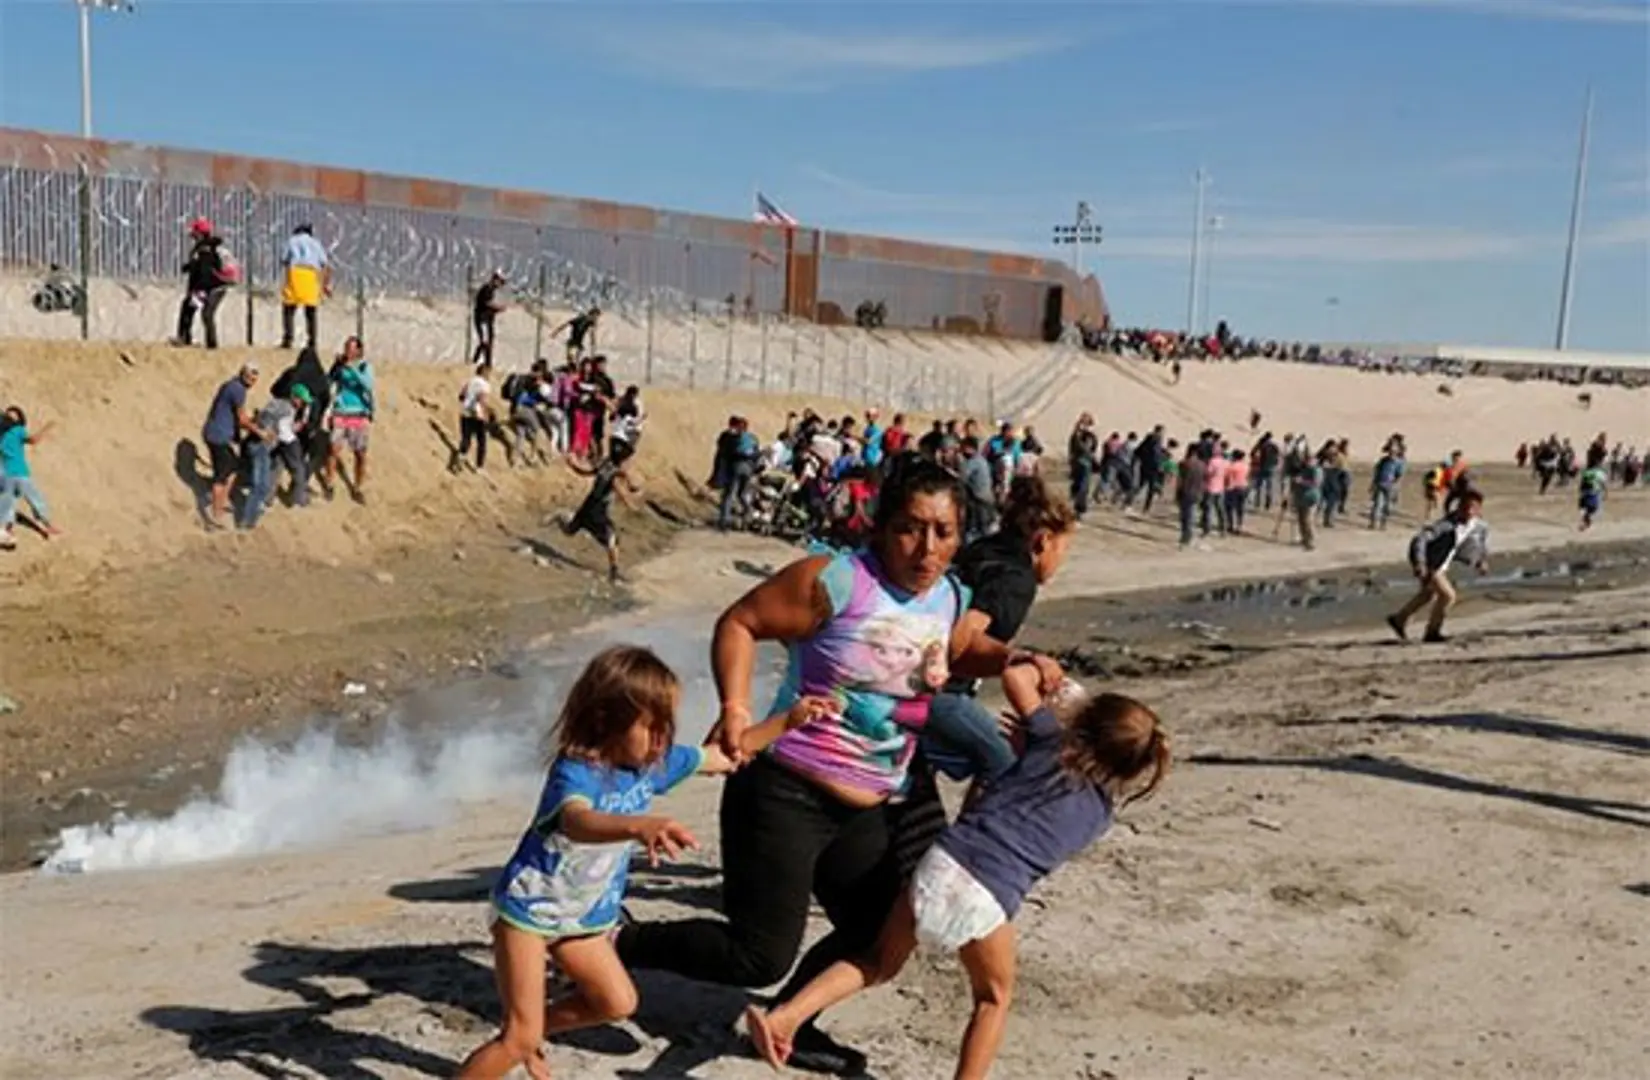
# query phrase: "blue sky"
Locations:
[[1412, 159]]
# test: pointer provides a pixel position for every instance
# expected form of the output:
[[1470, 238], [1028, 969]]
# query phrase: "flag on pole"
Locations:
[[769, 213]]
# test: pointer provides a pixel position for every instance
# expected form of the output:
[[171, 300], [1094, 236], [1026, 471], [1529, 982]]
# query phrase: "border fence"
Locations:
[[117, 211]]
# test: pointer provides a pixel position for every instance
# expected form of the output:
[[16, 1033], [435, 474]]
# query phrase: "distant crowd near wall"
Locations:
[[105, 210]]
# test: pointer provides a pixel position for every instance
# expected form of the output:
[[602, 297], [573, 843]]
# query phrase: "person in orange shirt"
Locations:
[[1237, 491], [1214, 492]]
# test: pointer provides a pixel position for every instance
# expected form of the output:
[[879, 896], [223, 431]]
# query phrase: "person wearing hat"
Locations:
[[276, 434], [488, 305], [308, 277], [226, 421], [207, 275]]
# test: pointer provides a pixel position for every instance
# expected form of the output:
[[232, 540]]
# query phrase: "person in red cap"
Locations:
[[208, 274]]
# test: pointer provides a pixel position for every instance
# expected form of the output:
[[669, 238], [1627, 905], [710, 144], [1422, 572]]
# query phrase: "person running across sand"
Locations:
[[558, 898], [1590, 499], [609, 477], [1460, 534], [1085, 760], [16, 478], [810, 817]]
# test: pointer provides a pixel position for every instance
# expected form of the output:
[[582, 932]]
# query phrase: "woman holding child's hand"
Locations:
[[873, 634]]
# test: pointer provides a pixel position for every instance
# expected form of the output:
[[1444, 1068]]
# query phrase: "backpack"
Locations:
[[229, 269]]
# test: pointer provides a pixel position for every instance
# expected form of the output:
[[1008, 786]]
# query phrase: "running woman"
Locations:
[[1083, 762], [559, 896], [595, 514]]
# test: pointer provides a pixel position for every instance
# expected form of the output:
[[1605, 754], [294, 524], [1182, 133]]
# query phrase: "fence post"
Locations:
[[361, 309], [888, 381], [469, 304], [991, 397], [693, 343], [538, 322], [247, 261], [796, 349], [648, 377], [847, 368], [822, 363], [762, 370], [85, 251], [727, 368]]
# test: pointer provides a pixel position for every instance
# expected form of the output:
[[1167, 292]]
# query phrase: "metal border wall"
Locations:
[[400, 236]]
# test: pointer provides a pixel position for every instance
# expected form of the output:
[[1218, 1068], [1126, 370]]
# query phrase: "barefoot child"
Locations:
[[595, 514], [558, 897], [1084, 759]]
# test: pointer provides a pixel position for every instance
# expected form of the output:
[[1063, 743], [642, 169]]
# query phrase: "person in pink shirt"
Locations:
[[1214, 491], [1237, 490]]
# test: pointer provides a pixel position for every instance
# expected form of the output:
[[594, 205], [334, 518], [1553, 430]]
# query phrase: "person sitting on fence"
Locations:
[[308, 277], [487, 306], [208, 273]]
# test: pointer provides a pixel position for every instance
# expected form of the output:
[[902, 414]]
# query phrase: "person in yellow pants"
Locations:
[[308, 277]]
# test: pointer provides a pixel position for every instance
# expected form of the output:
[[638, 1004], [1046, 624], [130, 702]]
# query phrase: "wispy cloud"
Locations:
[[765, 57], [868, 198], [1626, 232], [1610, 12]]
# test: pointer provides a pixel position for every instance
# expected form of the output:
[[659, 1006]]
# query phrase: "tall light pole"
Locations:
[[1200, 180], [1567, 290], [1214, 224], [1081, 231], [85, 9]]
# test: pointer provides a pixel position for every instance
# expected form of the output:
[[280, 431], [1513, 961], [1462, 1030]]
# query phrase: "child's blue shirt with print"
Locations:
[[558, 887]]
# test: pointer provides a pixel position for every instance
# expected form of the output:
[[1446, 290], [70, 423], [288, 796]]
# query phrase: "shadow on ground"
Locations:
[[1621, 813]]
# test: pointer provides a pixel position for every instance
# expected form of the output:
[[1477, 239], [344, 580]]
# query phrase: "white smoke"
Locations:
[[314, 792], [320, 790]]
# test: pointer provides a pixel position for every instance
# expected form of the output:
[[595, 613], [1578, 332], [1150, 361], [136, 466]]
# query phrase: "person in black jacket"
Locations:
[[206, 280], [308, 372]]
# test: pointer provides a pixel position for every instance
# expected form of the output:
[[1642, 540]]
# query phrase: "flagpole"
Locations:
[[1567, 290]]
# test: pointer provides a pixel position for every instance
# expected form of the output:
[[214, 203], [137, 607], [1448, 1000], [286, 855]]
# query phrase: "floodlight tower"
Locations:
[[85, 7], [1081, 231]]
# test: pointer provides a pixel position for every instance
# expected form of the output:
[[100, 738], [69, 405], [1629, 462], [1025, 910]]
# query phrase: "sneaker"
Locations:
[[1435, 637], [814, 1051], [1398, 627], [8, 542]]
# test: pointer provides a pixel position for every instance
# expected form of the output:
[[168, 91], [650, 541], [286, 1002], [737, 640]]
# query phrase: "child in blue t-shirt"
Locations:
[[559, 895], [1083, 759]]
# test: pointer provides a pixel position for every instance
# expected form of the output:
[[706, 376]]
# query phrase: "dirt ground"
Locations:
[[1373, 860]]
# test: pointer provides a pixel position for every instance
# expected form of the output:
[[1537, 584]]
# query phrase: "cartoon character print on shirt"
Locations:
[[900, 657]]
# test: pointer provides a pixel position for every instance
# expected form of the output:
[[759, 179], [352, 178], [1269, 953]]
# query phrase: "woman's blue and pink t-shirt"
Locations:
[[882, 654]]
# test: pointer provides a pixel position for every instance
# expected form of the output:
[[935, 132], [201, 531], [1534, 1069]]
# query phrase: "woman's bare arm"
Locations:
[[789, 606]]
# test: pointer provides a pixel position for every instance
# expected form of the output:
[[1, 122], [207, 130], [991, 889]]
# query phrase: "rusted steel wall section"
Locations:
[[403, 235]]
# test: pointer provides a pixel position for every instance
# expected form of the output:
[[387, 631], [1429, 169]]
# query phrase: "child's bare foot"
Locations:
[[773, 1049]]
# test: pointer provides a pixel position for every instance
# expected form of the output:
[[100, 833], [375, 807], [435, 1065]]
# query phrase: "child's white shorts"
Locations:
[[952, 908]]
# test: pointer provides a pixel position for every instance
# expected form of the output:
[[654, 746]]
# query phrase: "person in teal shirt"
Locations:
[[16, 479]]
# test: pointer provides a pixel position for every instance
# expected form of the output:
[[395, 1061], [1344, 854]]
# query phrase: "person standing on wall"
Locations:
[[488, 305], [208, 273], [308, 277]]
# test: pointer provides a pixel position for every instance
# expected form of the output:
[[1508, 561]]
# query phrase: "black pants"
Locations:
[[288, 313], [484, 338], [209, 318], [783, 840], [473, 429]]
